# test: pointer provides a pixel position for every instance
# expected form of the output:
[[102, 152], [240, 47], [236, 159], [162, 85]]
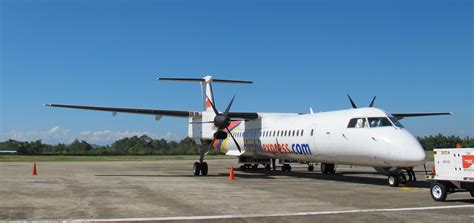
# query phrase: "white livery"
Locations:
[[358, 136]]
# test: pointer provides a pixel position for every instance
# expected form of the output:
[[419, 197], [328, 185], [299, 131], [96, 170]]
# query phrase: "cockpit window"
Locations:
[[395, 122], [379, 122], [357, 123]]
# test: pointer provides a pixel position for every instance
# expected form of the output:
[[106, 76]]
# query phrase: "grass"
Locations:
[[61, 158], [430, 155]]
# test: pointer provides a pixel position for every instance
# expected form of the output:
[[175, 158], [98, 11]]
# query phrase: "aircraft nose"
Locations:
[[414, 153]]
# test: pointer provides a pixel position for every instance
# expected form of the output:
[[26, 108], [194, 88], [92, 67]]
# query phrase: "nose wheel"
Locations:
[[398, 177]]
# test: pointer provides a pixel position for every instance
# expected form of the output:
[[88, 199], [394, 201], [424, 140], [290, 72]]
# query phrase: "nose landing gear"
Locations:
[[397, 177]]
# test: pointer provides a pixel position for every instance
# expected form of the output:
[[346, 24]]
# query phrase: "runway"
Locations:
[[166, 191]]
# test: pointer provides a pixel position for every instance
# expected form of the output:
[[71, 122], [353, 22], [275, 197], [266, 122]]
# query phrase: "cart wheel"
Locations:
[[393, 180], [439, 192]]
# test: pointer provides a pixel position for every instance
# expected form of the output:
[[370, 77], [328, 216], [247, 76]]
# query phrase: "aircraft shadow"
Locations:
[[338, 177], [347, 177]]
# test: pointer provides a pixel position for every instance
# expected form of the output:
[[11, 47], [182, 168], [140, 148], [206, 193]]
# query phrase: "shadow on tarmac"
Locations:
[[346, 177], [338, 177]]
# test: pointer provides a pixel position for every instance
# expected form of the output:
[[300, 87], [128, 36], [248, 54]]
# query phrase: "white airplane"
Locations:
[[358, 136]]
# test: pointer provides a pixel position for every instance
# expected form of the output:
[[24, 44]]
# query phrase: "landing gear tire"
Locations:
[[204, 169], [286, 167], [311, 168], [327, 168], [439, 192], [196, 169], [268, 167], [393, 180]]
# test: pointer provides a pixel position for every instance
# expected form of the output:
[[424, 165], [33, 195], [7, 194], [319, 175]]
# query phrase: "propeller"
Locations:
[[222, 122], [354, 104], [352, 101], [372, 102]]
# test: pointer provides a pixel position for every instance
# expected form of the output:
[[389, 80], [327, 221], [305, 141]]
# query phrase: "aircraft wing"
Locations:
[[406, 115], [172, 113]]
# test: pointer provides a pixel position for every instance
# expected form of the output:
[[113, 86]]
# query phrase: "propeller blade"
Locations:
[[208, 122], [230, 105], [211, 146], [235, 141], [352, 101], [213, 106], [372, 103]]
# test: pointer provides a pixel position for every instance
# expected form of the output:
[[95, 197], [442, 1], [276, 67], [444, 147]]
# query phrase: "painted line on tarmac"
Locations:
[[216, 217]]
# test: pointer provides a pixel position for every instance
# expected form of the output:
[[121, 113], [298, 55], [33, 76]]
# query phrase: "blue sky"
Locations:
[[416, 56]]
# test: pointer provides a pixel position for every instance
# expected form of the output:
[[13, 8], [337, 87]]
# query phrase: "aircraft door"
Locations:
[[323, 138], [313, 140]]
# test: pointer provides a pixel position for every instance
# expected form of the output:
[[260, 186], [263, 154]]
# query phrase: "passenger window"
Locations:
[[302, 132], [298, 133], [312, 132]]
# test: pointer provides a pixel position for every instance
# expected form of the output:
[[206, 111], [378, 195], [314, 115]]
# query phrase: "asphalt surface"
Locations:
[[167, 190]]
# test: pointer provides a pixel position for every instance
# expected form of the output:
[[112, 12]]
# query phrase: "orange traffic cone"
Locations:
[[35, 172], [231, 175]]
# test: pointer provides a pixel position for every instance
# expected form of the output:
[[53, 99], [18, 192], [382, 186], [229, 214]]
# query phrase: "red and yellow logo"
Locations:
[[467, 161]]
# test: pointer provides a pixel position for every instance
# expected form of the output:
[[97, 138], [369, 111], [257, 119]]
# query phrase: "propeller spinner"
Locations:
[[222, 122]]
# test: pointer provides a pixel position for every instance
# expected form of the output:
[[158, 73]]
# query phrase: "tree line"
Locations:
[[144, 145], [136, 145]]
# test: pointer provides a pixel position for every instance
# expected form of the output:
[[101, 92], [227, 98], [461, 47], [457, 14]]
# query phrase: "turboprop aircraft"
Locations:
[[358, 136]]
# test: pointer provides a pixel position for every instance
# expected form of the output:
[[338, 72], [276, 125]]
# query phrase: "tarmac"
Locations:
[[155, 191]]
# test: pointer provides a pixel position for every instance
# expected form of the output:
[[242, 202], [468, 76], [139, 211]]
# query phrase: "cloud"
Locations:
[[57, 135], [53, 135], [109, 136]]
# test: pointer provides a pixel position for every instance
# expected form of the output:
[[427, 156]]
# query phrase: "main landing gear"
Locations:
[[286, 167], [328, 168], [397, 177], [201, 168]]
